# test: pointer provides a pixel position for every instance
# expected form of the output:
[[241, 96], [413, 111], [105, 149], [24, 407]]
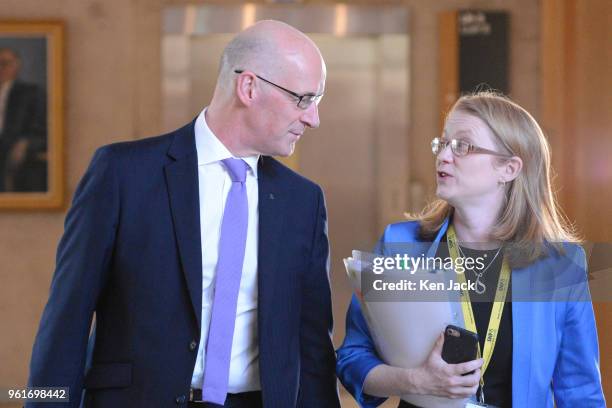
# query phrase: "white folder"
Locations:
[[404, 333]]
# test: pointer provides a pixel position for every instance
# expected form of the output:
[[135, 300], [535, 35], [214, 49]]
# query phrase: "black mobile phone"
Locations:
[[460, 345]]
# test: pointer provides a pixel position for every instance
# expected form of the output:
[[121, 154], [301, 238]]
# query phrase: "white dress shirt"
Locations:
[[214, 185], [5, 89]]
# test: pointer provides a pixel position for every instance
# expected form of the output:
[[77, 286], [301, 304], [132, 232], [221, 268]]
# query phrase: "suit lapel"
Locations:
[[183, 189], [271, 217], [436, 243], [522, 342]]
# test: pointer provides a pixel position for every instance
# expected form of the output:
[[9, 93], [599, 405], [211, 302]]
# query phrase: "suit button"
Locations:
[[180, 399], [193, 345]]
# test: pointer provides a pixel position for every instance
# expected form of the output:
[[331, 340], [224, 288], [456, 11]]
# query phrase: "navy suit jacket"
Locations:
[[25, 115], [25, 118], [131, 253]]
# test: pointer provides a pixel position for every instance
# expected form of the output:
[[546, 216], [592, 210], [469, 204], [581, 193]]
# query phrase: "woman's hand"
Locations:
[[434, 377], [437, 377]]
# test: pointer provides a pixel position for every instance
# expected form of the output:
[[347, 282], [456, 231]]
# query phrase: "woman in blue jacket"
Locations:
[[494, 188]]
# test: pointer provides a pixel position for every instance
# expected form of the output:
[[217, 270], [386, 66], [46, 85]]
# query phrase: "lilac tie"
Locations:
[[229, 270]]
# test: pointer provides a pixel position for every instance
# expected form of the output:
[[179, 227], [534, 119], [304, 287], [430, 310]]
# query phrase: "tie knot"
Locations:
[[237, 169]]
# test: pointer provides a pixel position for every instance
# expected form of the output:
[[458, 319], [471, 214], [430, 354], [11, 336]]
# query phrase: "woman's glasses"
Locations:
[[461, 148]]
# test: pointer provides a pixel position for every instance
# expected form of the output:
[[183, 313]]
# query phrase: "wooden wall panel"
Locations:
[[576, 114], [449, 62]]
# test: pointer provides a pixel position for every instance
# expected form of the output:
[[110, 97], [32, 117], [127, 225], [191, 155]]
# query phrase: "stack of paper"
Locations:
[[405, 332]]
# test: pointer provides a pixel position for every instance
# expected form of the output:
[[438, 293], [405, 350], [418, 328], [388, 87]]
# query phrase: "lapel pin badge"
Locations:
[[271, 196]]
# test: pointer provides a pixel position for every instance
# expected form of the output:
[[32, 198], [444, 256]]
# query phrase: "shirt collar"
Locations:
[[210, 149], [7, 84], [6, 87]]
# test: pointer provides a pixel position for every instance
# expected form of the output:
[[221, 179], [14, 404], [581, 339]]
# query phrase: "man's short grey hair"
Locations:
[[247, 52]]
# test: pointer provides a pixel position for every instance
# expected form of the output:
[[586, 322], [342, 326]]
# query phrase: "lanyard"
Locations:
[[466, 306]]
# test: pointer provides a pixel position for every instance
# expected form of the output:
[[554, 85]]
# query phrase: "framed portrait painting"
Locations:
[[31, 115]]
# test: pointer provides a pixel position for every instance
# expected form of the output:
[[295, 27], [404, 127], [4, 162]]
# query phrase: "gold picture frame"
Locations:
[[31, 115]]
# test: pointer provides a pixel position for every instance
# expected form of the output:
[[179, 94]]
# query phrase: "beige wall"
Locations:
[[103, 74], [113, 93]]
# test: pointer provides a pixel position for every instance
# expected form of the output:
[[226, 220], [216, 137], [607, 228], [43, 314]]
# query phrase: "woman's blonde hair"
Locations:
[[531, 215]]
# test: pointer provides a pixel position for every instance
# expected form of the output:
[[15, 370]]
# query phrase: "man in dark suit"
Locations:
[[23, 129], [205, 262]]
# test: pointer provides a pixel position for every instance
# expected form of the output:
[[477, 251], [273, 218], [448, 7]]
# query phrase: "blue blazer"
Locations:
[[131, 254], [555, 349]]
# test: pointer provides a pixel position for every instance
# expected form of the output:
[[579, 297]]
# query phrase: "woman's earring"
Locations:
[[501, 183]]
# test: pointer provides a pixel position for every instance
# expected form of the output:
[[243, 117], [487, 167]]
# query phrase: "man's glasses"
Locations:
[[304, 101], [461, 148]]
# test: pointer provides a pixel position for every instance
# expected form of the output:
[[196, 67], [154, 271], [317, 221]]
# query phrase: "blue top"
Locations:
[[555, 348]]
